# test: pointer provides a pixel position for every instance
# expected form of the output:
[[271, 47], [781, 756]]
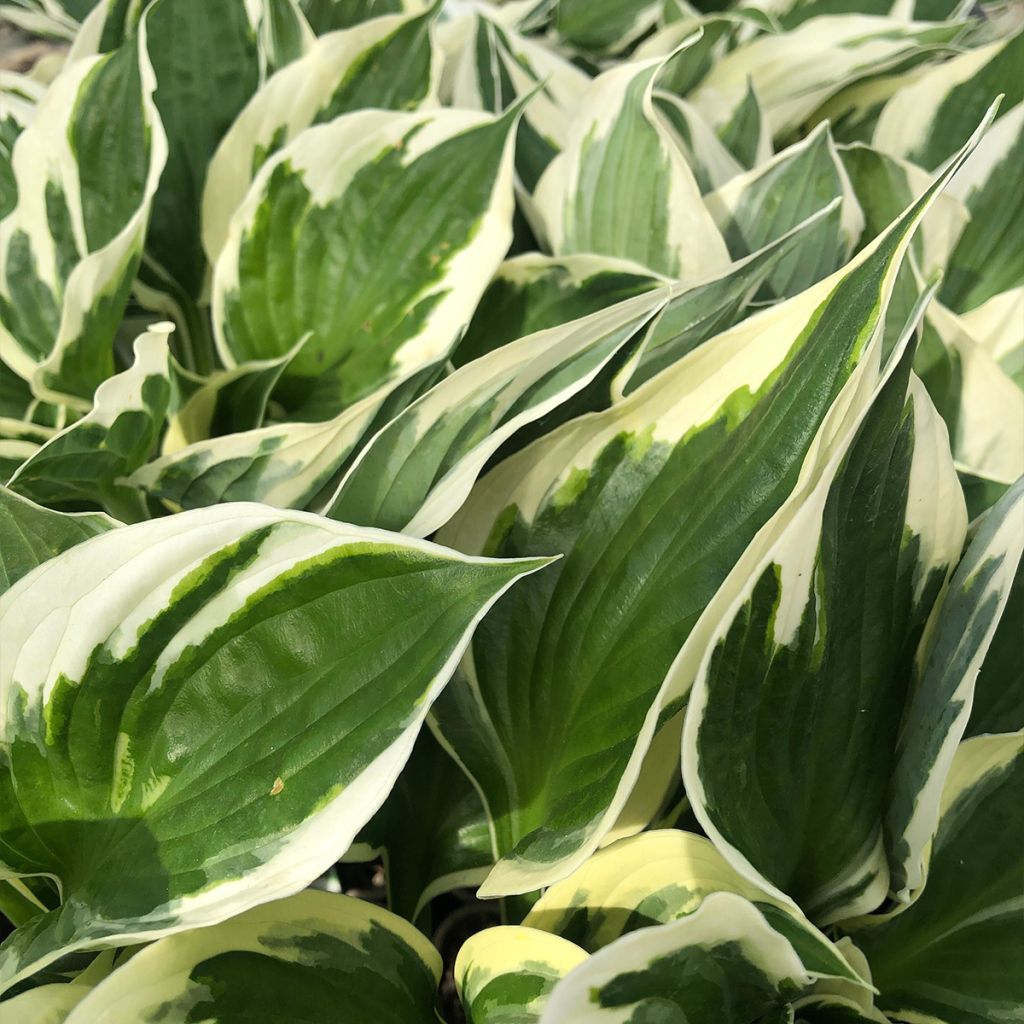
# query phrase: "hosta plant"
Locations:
[[512, 514]]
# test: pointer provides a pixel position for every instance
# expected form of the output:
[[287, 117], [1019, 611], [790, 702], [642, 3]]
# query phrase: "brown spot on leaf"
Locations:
[[278, 785]]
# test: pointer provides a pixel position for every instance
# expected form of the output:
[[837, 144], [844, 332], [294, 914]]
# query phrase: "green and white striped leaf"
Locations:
[[952, 955], [709, 159], [995, 325], [283, 32], [58, 19], [432, 832], [652, 502], [982, 406], [824, 631], [987, 258], [316, 957], [19, 96], [885, 184], [386, 63], [376, 235], [88, 460], [418, 470], [31, 534], [86, 170], [499, 67], [622, 188], [724, 962], [51, 1003], [533, 292], [927, 121], [330, 15], [660, 876], [287, 465], [958, 638], [219, 703], [795, 72], [694, 314], [762, 205], [604, 25], [505, 975], [227, 402], [208, 65]]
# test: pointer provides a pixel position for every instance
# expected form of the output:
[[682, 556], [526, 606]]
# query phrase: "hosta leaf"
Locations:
[[31, 534], [287, 465], [532, 292], [927, 121], [794, 72], [988, 259], [392, 226], [825, 631], [724, 962], [13, 454], [87, 461], [709, 159], [284, 34], [622, 187], [998, 704], [499, 67], [69, 249], [207, 66], [343, 71], [505, 975], [652, 502], [995, 325], [416, 472], [315, 957], [599, 25], [952, 955], [982, 407], [51, 1003], [658, 877], [957, 641], [58, 19], [835, 1010], [158, 715], [884, 185], [759, 207], [431, 832], [19, 96], [696, 313], [228, 402], [746, 133]]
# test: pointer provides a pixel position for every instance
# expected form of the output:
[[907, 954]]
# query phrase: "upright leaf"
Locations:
[[761, 206], [172, 753], [376, 235], [955, 646], [86, 171], [791, 730], [652, 502], [952, 955], [386, 63], [622, 188]]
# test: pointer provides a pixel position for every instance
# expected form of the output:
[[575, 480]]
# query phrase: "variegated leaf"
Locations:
[[86, 171], [958, 638], [416, 472], [824, 631], [31, 534], [653, 502], [89, 460], [952, 956], [315, 957], [343, 71], [995, 325], [622, 188], [929, 119], [499, 67], [171, 753], [505, 975], [604, 25], [393, 224], [761, 206], [795, 72]]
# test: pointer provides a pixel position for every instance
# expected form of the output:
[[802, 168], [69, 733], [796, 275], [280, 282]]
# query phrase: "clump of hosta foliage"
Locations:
[[562, 452]]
